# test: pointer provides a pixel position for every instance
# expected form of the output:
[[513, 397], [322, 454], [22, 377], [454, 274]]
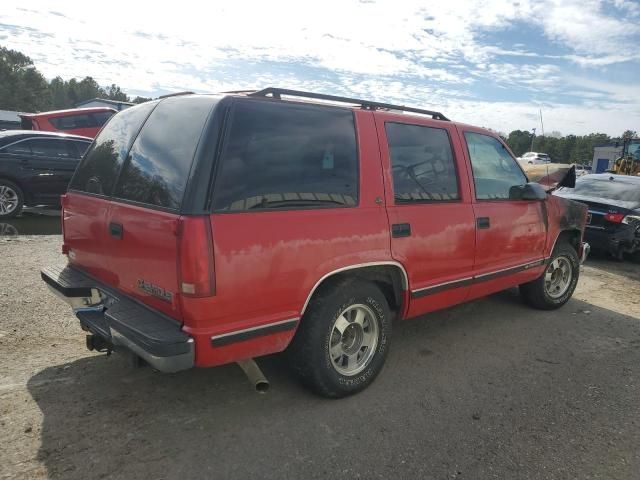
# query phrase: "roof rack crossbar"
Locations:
[[366, 104]]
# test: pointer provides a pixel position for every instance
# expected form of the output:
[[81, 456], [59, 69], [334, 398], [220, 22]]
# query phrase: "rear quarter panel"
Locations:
[[267, 263]]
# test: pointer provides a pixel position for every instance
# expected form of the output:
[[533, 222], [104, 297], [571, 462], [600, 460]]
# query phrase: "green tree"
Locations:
[[114, 93], [140, 99], [22, 87], [519, 141]]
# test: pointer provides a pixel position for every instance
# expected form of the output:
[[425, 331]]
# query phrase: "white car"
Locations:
[[582, 170], [534, 158]]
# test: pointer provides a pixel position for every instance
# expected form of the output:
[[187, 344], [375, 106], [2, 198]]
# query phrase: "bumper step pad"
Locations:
[[151, 335]]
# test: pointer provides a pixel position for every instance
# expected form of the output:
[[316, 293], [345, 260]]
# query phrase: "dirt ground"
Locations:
[[488, 389]]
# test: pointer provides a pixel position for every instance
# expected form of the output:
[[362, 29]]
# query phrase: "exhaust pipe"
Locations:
[[255, 375]]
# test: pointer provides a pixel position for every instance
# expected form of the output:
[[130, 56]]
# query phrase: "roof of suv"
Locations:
[[71, 111], [12, 135]]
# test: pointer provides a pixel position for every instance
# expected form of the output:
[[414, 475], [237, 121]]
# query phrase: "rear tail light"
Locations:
[[614, 217], [195, 262]]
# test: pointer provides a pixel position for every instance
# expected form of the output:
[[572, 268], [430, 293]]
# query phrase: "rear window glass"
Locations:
[[98, 170], [159, 162], [70, 122], [100, 118], [280, 155]]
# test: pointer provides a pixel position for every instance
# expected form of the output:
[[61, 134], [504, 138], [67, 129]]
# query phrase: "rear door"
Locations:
[[510, 233], [288, 207], [86, 205], [429, 208], [141, 242], [49, 167]]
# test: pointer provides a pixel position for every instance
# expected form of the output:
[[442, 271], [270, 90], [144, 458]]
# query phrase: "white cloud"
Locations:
[[411, 51]]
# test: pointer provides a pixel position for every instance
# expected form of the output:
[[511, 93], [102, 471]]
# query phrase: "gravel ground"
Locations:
[[489, 389]]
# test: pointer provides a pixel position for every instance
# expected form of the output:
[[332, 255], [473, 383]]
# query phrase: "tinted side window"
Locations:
[[159, 162], [43, 147], [422, 163], [98, 170], [79, 148], [494, 169], [280, 155], [19, 148]]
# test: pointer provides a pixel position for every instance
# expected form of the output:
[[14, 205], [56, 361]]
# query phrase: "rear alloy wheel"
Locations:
[[354, 338], [556, 285], [343, 338], [11, 199]]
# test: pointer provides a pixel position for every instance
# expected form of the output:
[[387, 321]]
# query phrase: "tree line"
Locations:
[[24, 89], [567, 149]]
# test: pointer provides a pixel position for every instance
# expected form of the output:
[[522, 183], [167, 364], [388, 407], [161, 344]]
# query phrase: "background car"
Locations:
[[77, 121], [582, 170], [613, 221], [534, 158], [36, 167]]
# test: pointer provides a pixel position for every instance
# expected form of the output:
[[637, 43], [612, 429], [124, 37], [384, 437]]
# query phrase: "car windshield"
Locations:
[[604, 188]]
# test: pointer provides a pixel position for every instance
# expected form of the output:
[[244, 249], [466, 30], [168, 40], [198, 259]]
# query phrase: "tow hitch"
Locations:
[[99, 344]]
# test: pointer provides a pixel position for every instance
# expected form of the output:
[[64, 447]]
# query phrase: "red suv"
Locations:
[[207, 229], [77, 121]]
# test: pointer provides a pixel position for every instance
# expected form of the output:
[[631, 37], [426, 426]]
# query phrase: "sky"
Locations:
[[490, 63]]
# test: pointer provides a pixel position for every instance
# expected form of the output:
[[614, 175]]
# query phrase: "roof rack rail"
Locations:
[[177, 94], [365, 104]]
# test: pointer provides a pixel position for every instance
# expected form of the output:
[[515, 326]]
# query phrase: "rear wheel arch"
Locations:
[[390, 277]]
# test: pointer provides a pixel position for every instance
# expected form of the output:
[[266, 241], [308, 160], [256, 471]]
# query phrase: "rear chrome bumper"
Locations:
[[122, 322], [585, 248]]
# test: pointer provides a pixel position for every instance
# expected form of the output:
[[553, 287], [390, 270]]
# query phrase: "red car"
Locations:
[[77, 121], [207, 229]]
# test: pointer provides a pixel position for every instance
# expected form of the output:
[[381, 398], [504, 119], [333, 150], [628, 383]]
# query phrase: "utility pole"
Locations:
[[541, 124], [533, 136]]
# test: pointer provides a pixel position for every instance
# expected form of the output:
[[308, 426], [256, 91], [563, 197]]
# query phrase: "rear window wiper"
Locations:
[[292, 200]]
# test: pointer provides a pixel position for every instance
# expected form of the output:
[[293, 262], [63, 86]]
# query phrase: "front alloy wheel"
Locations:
[[556, 285], [557, 277]]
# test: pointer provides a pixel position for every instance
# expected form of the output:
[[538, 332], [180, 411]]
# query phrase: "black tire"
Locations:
[[7, 187], [536, 294], [309, 352]]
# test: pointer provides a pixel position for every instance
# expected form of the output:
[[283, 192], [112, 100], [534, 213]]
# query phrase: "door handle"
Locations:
[[483, 223], [400, 230], [116, 230]]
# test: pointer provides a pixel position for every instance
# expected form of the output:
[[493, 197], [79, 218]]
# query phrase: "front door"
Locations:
[[510, 233], [429, 208]]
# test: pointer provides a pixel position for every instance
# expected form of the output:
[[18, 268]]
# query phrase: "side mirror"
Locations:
[[528, 191]]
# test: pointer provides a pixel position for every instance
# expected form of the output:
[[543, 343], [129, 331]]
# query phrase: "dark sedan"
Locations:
[[613, 222], [36, 167]]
